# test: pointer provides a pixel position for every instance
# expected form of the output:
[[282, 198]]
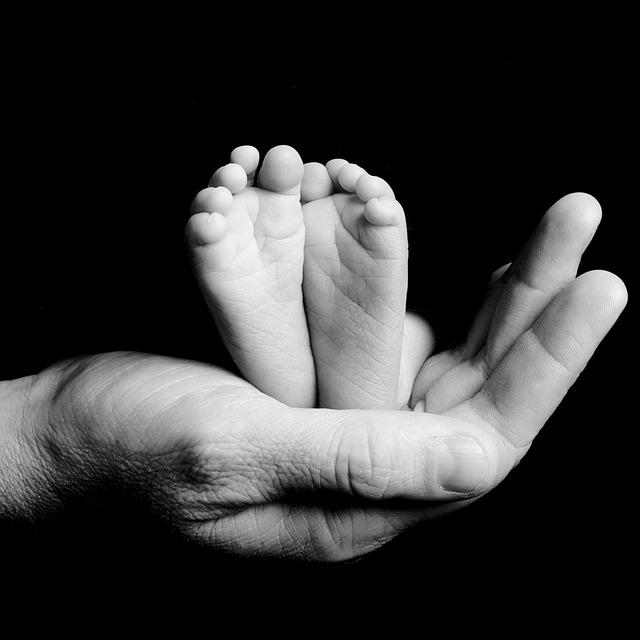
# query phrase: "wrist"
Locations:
[[25, 492], [44, 463]]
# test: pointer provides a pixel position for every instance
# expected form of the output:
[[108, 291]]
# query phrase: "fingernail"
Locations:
[[462, 465]]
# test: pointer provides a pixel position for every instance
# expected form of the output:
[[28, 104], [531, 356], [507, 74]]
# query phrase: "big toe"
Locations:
[[282, 170]]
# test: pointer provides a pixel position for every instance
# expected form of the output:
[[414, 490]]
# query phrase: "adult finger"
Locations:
[[531, 380], [547, 263]]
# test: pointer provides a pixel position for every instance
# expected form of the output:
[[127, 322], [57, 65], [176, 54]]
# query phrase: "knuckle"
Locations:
[[364, 462]]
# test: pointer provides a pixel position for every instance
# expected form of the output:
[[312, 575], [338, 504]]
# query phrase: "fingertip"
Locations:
[[608, 287], [581, 199], [579, 213]]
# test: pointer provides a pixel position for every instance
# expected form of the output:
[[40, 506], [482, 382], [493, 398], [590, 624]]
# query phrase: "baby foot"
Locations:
[[247, 247], [355, 283]]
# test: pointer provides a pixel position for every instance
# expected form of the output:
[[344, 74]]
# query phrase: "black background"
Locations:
[[105, 151]]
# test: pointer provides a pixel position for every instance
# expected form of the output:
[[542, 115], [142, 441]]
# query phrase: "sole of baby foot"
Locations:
[[246, 243], [355, 284]]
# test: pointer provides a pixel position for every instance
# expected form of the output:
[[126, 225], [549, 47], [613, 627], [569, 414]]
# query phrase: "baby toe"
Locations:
[[369, 187], [383, 211], [282, 170], [232, 176], [212, 199], [248, 158], [206, 228], [333, 169], [316, 183], [349, 175]]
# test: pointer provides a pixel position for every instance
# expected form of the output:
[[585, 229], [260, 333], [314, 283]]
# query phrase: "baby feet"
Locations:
[[248, 249], [355, 284]]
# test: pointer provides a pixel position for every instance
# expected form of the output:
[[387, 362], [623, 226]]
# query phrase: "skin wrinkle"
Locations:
[[356, 331], [279, 538], [362, 356], [370, 393], [236, 487], [286, 538], [341, 536], [127, 418], [318, 540], [237, 270], [345, 292], [503, 424], [239, 291], [497, 419], [64, 391], [366, 476], [334, 445], [563, 366], [351, 312], [109, 388], [276, 334], [281, 469]]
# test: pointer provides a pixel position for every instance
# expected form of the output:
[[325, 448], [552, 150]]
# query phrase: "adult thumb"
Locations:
[[376, 455]]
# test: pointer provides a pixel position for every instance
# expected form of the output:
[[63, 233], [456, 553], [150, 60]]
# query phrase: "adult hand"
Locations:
[[533, 335], [226, 465]]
